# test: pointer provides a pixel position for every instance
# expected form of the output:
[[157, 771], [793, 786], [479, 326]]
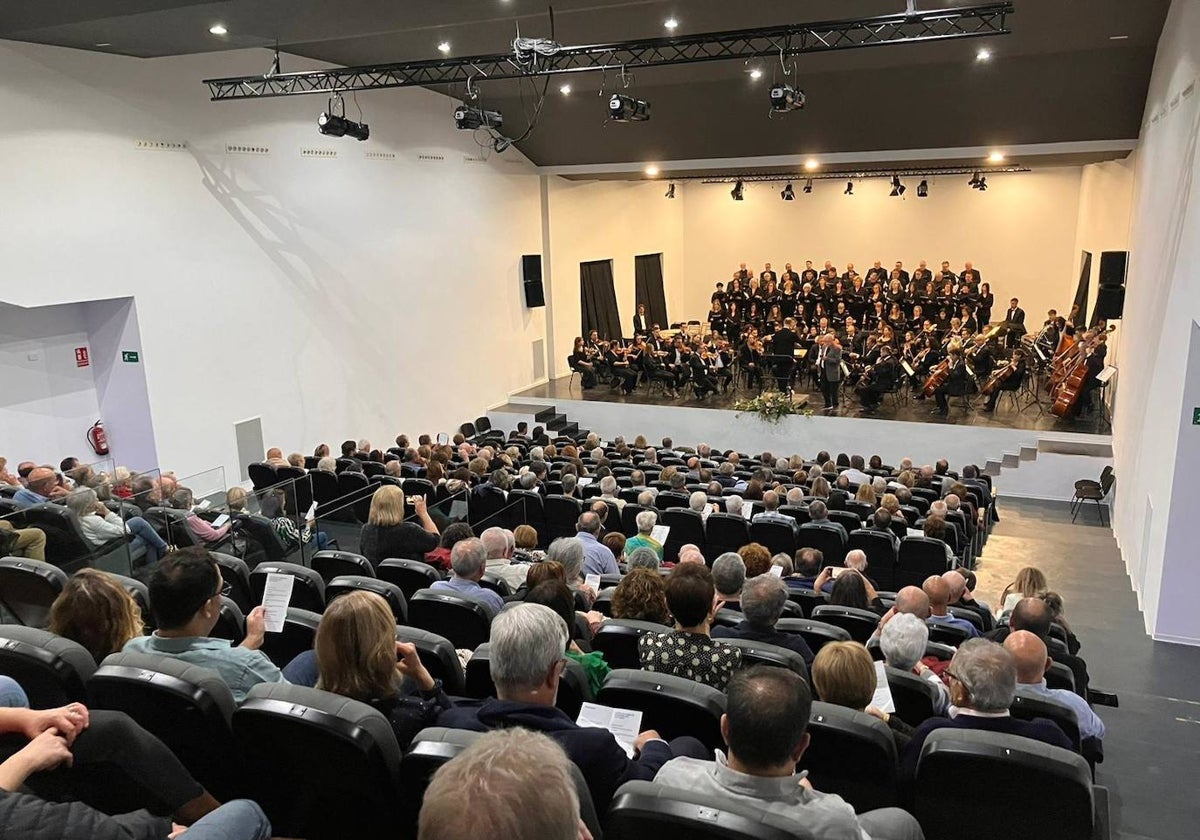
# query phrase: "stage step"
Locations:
[[993, 468], [1011, 459], [545, 415], [570, 430], [1029, 453], [1070, 447], [556, 422]]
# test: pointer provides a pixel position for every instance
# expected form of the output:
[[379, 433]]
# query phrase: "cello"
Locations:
[[998, 378], [937, 377]]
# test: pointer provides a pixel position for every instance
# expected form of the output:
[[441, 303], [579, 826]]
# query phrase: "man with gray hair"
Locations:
[[698, 502], [795, 496], [983, 682], [646, 497], [819, 518], [646, 520], [733, 505], [608, 491], [771, 512], [903, 642], [642, 558], [500, 544], [729, 575], [763, 598], [597, 558], [468, 559], [528, 644], [690, 553]]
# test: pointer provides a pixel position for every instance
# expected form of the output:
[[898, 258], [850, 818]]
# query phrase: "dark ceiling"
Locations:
[[1060, 77]]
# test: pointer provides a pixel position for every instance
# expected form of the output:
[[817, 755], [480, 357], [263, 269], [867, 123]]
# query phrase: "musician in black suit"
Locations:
[[955, 384], [641, 321], [702, 383], [654, 369], [1014, 374], [922, 274], [788, 274], [970, 276], [878, 380], [783, 346], [620, 368], [767, 276], [829, 368], [1015, 316]]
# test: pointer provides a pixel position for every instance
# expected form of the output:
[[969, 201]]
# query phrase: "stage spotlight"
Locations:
[[469, 118], [738, 192], [787, 193], [898, 189], [923, 189], [849, 188], [786, 98], [974, 182], [808, 186], [982, 183], [334, 125], [623, 108], [671, 191]]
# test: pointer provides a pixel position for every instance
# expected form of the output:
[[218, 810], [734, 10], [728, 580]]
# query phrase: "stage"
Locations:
[[1029, 455]]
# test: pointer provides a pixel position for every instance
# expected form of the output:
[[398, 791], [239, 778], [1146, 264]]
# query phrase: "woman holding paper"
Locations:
[[844, 675]]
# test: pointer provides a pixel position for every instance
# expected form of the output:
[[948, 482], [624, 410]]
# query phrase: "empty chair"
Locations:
[[308, 590], [438, 656], [236, 574], [761, 653], [672, 705], [390, 592], [915, 698], [816, 633], [881, 556], [321, 765], [53, 671], [186, 706], [28, 588], [486, 507], [807, 599], [919, 557], [852, 754], [669, 499], [262, 475], [1094, 491], [687, 526], [330, 564], [641, 810], [725, 532], [561, 514], [299, 632], [618, 638], [1000, 769], [778, 537], [464, 621], [325, 490], [410, 575], [860, 624]]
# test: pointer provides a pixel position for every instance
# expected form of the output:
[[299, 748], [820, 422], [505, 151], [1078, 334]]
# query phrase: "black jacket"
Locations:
[[25, 817], [743, 630]]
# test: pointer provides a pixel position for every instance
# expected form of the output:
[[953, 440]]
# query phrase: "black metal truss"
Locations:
[[848, 174], [779, 41]]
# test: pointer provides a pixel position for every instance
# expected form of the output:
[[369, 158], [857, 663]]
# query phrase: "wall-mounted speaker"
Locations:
[[1113, 265], [1110, 303], [531, 278]]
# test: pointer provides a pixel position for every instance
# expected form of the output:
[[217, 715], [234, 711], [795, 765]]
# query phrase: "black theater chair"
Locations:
[[1027, 707], [231, 622], [725, 532], [330, 564], [308, 591], [52, 671], [860, 624], [815, 633], [778, 537], [389, 592], [915, 698], [464, 621], [562, 512], [299, 632], [573, 687], [438, 656], [760, 653], [236, 573], [687, 526], [852, 754], [881, 556], [826, 540], [807, 600], [947, 635], [410, 575], [28, 589], [671, 705], [919, 557], [642, 810], [617, 639]]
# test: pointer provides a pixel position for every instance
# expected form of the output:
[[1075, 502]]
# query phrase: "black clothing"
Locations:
[[406, 541]]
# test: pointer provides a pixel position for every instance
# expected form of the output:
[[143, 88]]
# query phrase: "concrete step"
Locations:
[[1029, 453], [1071, 447], [570, 429], [992, 468], [1011, 459], [545, 415], [555, 422]]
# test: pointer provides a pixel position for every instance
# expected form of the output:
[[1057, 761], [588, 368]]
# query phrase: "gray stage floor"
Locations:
[[917, 411]]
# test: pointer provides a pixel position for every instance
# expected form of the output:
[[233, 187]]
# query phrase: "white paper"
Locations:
[[277, 594], [838, 571], [583, 481], [458, 510], [624, 724], [592, 581], [220, 520], [312, 512], [203, 505], [883, 692], [777, 571], [659, 533], [1106, 374]]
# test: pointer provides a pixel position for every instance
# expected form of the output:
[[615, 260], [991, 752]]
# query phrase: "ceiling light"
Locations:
[[671, 191], [984, 54], [671, 24], [444, 47], [1118, 37], [811, 164], [738, 192], [623, 108], [982, 183], [898, 189], [652, 170], [756, 74], [564, 90], [923, 189], [787, 193], [808, 186], [218, 29], [996, 157], [849, 188], [105, 44]]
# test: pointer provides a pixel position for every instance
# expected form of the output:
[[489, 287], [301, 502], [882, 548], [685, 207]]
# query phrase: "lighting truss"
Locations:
[[777, 41], [848, 175]]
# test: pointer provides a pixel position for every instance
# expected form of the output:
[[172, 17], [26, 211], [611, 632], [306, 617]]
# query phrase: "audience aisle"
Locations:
[[1154, 737]]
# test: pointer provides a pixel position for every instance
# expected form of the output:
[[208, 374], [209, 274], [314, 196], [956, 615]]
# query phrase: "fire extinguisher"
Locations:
[[97, 438]]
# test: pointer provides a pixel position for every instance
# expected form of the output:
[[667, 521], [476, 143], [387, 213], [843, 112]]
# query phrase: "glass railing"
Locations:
[[76, 531]]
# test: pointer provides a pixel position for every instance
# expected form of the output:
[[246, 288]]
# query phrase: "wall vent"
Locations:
[[380, 155], [430, 157], [318, 153], [160, 145], [243, 149]]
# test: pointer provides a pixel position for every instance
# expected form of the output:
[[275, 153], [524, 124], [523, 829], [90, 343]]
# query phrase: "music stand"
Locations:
[[1104, 377]]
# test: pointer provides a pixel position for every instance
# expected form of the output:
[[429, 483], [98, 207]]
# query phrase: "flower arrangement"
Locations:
[[771, 406]]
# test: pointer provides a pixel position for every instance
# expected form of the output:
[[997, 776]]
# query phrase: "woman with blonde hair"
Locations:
[[843, 674], [866, 493], [357, 656], [387, 536], [95, 611], [1029, 583]]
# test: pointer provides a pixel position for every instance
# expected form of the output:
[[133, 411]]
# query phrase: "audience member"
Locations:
[[938, 591], [641, 595], [1032, 664], [598, 560], [646, 520], [468, 559], [555, 595], [904, 640], [844, 675], [1030, 582], [40, 487], [100, 525], [643, 557], [762, 600], [526, 539], [1034, 614], [454, 533], [182, 499], [688, 651], [757, 558], [500, 545], [386, 535], [97, 612], [728, 575], [819, 518]]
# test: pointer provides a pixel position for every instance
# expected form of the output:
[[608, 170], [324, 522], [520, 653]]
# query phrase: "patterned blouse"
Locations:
[[689, 655]]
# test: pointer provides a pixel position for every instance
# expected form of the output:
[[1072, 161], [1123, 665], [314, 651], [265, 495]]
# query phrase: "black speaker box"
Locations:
[[1113, 265], [1110, 303], [531, 275]]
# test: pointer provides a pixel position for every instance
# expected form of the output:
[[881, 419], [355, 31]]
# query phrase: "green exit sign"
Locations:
[[1196, 416], [129, 356]]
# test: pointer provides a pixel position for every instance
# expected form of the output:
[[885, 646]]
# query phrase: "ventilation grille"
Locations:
[[240, 149], [380, 155], [318, 153], [430, 157], [160, 145]]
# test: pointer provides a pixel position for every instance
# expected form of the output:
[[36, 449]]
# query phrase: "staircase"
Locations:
[[1012, 460], [557, 425]]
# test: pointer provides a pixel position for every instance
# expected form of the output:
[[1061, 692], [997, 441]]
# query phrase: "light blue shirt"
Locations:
[[954, 621], [1090, 725], [27, 498], [597, 559], [463, 586], [240, 668]]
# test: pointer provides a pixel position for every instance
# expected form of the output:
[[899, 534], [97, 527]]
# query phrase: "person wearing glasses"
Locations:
[[185, 598]]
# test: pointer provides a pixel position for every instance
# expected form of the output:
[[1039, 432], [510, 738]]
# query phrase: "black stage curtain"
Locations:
[[1081, 293], [648, 287], [598, 300]]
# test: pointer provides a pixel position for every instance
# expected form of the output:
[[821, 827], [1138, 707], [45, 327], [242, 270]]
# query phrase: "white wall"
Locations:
[[1154, 443], [334, 297]]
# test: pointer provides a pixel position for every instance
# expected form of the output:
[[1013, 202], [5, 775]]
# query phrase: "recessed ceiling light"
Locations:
[[1118, 37], [996, 157], [105, 44], [811, 164], [444, 47], [756, 74], [671, 23], [564, 90], [652, 170], [984, 54], [218, 29]]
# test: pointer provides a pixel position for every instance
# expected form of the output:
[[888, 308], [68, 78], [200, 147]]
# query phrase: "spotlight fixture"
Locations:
[[811, 164], [565, 90], [808, 187], [671, 191], [923, 189], [996, 157], [898, 189], [622, 108], [738, 192], [982, 183], [787, 193], [651, 170], [974, 182], [336, 125], [218, 29], [756, 74], [444, 47], [786, 98], [671, 24], [984, 54], [849, 188], [469, 118]]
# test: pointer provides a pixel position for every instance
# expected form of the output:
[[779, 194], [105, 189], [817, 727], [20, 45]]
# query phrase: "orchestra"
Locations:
[[929, 329]]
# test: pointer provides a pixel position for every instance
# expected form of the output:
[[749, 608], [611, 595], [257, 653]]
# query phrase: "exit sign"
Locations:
[[129, 356], [1196, 416]]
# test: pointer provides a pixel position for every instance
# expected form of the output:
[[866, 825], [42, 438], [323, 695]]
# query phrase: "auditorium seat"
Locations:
[[947, 635], [464, 621], [262, 476], [852, 754], [53, 671], [66, 546], [390, 592], [28, 589], [330, 564], [1029, 706], [299, 632], [140, 593], [438, 656], [860, 624], [914, 697], [308, 590], [815, 633], [410, 575], [970, 615], [231, 622], [778, 537], [881, 556], [266, 545], [186, 706], [848, 519], [531, 511], [603, 602], [1060, 676], [325, 491], [642, 810], [807, 600], [761, 653], [562, 512], [618, 638], [725, 532], [236, 573], [825, 540], [670, 499], [573, 687], [629, 518], [496, 582], [919, 557], [321, 765], [671, 705], [1052, 785], [687, 526], [941, 652]]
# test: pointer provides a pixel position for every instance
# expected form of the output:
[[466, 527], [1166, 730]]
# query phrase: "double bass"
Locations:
[[1070, 388]]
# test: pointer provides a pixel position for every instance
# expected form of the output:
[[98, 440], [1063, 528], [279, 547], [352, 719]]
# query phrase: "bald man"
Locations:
[[961, 596], [275, 457], [690, 553], [40, 487], [938, 591], [1032, 664]]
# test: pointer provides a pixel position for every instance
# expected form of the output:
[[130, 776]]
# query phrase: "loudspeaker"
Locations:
[[531, 275], [1110, 302], [1113, 265]]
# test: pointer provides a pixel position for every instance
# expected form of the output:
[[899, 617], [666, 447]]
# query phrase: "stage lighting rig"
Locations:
[[671, 191], [738, 192], [787, 193], [622, 108], [849, 188], [982, 185], [808, 186], [923, 189], [470, 117], [898, 189], [974, 182], [786, 98], [336, 125]]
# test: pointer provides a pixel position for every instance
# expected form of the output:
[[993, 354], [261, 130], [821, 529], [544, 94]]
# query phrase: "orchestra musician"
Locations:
[[956, 380], [750, 357], [641, 321], [579, 361], [623, 374], [720, 362], [702, 383], [1094, 354], [654, 369], [878, 380], [1010, 379]]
